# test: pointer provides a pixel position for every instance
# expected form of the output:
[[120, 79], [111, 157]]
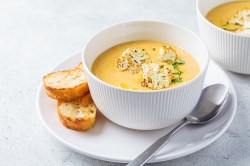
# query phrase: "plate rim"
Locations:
[[153, 160]]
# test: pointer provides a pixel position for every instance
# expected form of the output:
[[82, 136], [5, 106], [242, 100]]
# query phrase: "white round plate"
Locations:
[[111, 142]]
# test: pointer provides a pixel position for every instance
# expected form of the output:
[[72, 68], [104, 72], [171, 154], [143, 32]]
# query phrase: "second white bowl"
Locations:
[[230, 50], [145, 110]]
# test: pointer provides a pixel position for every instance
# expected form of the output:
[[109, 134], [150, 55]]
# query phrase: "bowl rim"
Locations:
[[198, 11], [200, 74]]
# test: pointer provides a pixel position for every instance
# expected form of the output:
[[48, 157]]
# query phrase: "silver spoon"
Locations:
[[208, 107]]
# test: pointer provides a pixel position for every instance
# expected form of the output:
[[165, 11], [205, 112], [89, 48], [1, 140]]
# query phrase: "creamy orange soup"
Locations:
[[232, 16], [105, 66]]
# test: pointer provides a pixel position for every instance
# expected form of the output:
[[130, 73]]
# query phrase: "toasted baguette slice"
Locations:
[[66, 85], [86, 100], [76, 115]]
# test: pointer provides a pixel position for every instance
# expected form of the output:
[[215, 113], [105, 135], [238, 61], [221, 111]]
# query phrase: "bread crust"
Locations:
[[65, 93], [80, 66], [75, 107], [76, 123]]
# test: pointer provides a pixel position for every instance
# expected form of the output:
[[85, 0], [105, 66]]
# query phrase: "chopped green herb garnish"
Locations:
[[143, 49], [180, 61], [153, 49], [175, 65], [177, 80], [161, 66], [177, 73]]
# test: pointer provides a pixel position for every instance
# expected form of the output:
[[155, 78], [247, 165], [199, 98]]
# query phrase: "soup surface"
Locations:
[[106, 67], [232, 16]]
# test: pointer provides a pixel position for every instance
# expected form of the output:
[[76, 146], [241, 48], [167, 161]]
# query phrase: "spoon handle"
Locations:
[[156, 146]]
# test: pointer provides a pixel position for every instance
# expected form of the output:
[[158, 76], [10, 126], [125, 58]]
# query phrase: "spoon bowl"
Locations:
[[211, 99]]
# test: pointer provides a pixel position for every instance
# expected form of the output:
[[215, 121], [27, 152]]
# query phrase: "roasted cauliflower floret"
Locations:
[[132, 59], [167, 54], [156, 76], [242, 18]]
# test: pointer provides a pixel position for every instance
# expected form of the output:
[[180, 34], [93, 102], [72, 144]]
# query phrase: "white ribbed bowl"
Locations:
[[230, 50], [145, 110]]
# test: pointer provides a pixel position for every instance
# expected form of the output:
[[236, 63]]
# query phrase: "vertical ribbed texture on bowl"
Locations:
[[154, 110], [145, 110], [229, 50]]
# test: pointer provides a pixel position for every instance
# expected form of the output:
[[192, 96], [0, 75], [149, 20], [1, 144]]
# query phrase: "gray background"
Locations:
[[35, 35]]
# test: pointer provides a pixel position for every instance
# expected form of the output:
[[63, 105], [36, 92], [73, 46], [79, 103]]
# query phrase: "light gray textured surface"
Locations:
[[35, 35]]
